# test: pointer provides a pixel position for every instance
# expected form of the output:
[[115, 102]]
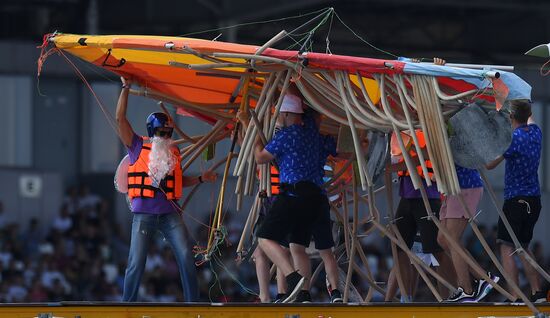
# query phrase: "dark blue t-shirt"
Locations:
[[522, 162]]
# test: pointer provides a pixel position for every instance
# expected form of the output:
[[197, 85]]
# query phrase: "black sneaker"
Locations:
[[336, 296], [459, 296], [279, 298], [484, 288], [518, 301], [294, 283], [303, 297], [538, 297]]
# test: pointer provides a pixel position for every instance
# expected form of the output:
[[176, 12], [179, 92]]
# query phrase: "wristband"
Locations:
[[125, 86]]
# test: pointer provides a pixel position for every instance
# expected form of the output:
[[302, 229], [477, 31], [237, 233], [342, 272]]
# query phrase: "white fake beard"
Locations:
[[161, 159]]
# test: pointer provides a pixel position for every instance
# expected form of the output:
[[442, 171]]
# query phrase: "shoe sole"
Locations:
[[295, 292], [466, 299], [337, 301]]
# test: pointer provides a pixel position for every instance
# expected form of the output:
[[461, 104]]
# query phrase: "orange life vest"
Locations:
[[412, 153], [140, 184], [274, 180]]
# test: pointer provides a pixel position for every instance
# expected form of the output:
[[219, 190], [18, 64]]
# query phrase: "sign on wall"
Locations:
[[30, 186]]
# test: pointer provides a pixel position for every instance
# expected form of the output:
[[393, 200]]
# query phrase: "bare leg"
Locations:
[[509, 264], [331, 267], [301, 262], [281, 282], [456, 227], [277, 254], [405, 268], [531, 273], [391, 288], [262, 271], [446, 270], [414, 280]]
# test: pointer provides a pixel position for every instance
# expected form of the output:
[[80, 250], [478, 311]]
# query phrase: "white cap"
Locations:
[[292, 104]]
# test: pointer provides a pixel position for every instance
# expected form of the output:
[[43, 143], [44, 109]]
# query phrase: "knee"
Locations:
[[261, 242], [297, 248], [442, 241], [327, 255], [258, 256]]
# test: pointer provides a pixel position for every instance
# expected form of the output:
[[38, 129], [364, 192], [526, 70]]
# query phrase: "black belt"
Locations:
[[301, 188]]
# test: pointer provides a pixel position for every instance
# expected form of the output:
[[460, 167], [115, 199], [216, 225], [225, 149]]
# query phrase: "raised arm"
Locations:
[[124, 128], [493, 164]]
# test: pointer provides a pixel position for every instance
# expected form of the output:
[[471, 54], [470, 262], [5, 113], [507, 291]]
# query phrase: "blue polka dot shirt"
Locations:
[[522, 162], [298, 151], [468, 178]]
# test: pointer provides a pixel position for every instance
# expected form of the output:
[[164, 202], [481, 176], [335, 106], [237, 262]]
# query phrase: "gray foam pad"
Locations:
[[478, 137]]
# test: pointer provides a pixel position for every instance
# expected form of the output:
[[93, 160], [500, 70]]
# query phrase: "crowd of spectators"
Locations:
[[81, 255]]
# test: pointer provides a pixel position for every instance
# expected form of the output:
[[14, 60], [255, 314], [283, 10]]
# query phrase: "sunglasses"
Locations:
[[163, 133]]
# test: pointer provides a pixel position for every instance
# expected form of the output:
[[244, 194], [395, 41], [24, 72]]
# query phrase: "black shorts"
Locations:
[[411, 217], [265, 207], [322, 228], [292, 216], [522, 214]]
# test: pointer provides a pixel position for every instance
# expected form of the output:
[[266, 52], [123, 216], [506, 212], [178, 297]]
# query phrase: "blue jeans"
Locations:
[[144, 227]]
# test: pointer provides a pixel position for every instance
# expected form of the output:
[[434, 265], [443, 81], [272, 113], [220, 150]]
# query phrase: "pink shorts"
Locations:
[[452, 208]]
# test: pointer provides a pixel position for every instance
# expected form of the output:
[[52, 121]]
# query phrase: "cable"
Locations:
[[363, 40], [256, 22]]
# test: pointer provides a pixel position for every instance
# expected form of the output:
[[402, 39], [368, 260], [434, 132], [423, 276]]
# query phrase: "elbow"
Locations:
[[120, 119]]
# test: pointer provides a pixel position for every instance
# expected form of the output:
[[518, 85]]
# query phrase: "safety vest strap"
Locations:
[[141, 186], [137, 174], [274, 180]]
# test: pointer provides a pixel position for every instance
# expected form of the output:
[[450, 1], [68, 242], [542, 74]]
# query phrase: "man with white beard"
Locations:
[[155, 182]]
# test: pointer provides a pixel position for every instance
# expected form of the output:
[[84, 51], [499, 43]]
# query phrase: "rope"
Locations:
[[257, 22], [363, 40]]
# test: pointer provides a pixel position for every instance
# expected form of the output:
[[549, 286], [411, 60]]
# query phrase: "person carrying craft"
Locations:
[[155, 182], [522, 202], [411, 215], [455, 218], [261, 261], [301, 198]]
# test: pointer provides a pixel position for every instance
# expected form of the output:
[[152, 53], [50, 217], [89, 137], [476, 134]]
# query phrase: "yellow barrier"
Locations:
[[176, 310]]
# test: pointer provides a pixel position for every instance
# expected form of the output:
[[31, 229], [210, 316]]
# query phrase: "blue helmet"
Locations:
[[157, 120]]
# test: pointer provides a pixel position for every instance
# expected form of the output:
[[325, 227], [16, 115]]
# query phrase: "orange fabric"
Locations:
[[337, 165], [140, 184], [159, 63], [412, 153]]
